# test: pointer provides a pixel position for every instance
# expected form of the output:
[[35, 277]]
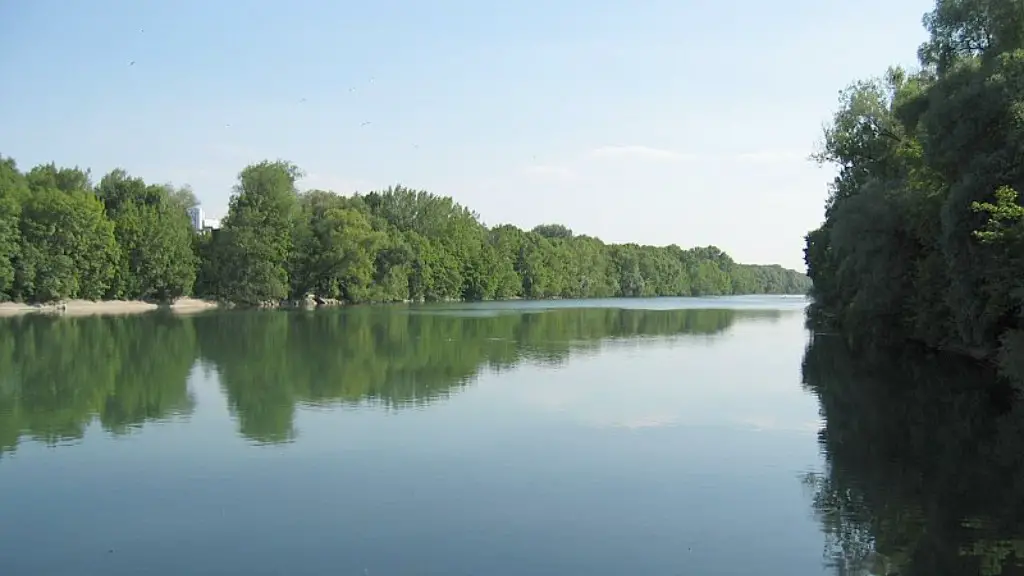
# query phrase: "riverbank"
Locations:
[[107, 307]]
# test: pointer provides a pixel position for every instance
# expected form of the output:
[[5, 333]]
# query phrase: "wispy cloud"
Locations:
[[641, 152]]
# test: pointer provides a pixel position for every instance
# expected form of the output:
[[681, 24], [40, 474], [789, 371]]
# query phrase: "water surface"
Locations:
[[660, 436]]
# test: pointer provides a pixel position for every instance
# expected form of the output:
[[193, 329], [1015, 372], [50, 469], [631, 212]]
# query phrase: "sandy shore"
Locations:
[[192, 305], [89, 307]]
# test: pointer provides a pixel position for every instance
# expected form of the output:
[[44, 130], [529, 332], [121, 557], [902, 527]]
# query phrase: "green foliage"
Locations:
[[552, 231], [157, 261], [13, 191], [922, 234], [962, 29], [68, 249], [183, 197], [253, 249], [127, 239], [49, 176], [334, 249], [1005, 217]]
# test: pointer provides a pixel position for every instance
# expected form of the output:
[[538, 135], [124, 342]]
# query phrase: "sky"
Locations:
[[651, 121]]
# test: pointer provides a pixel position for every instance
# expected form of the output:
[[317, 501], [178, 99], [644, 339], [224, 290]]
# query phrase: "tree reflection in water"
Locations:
[[57, 375], [924, 463]]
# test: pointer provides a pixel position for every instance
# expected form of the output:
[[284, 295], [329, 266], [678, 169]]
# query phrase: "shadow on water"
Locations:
[[59, 375], [924, 463]]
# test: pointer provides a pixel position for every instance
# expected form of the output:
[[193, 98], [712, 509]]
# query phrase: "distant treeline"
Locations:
[[923, 236], [61, 237]]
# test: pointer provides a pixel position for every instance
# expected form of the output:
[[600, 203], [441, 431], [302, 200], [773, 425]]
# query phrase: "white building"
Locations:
[[197, 216], [211, 224]]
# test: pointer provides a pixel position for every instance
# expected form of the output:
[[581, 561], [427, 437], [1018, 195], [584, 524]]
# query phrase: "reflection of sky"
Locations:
[[748, 377], [752, 302]]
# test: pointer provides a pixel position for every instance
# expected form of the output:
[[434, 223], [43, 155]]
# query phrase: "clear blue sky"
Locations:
[[653, 121]]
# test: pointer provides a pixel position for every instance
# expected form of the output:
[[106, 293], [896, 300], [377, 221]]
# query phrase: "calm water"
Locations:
[[620, 437]]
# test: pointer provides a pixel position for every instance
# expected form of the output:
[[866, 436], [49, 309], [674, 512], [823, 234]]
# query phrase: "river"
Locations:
[[604, 437]]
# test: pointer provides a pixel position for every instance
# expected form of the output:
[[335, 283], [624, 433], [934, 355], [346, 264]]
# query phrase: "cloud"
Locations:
[[641, 152]]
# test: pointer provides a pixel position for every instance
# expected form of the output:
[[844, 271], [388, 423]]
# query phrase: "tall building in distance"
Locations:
[[197, 216]]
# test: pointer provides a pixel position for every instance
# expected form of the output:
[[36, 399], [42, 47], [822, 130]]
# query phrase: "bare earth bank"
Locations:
[[88, 307]]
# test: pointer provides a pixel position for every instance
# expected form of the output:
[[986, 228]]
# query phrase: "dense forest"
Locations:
[[62, 237], [923, 236]]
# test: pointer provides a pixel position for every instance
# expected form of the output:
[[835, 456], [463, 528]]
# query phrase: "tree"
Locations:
[[552, 231], [335, 249], [966, 29], [920, 236], [49, 176], [13, 191], [155, 239], [182, 197], [257, 234], [68, 248]]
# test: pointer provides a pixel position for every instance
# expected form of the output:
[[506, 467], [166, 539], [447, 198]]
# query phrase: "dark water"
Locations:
[[924, 466], [625, 437]]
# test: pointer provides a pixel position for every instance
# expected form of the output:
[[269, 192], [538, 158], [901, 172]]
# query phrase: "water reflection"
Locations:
[[925, 464], [58, 375]]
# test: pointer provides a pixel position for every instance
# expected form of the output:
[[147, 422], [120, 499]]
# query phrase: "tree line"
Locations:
[[923, 237], [65, 238]]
